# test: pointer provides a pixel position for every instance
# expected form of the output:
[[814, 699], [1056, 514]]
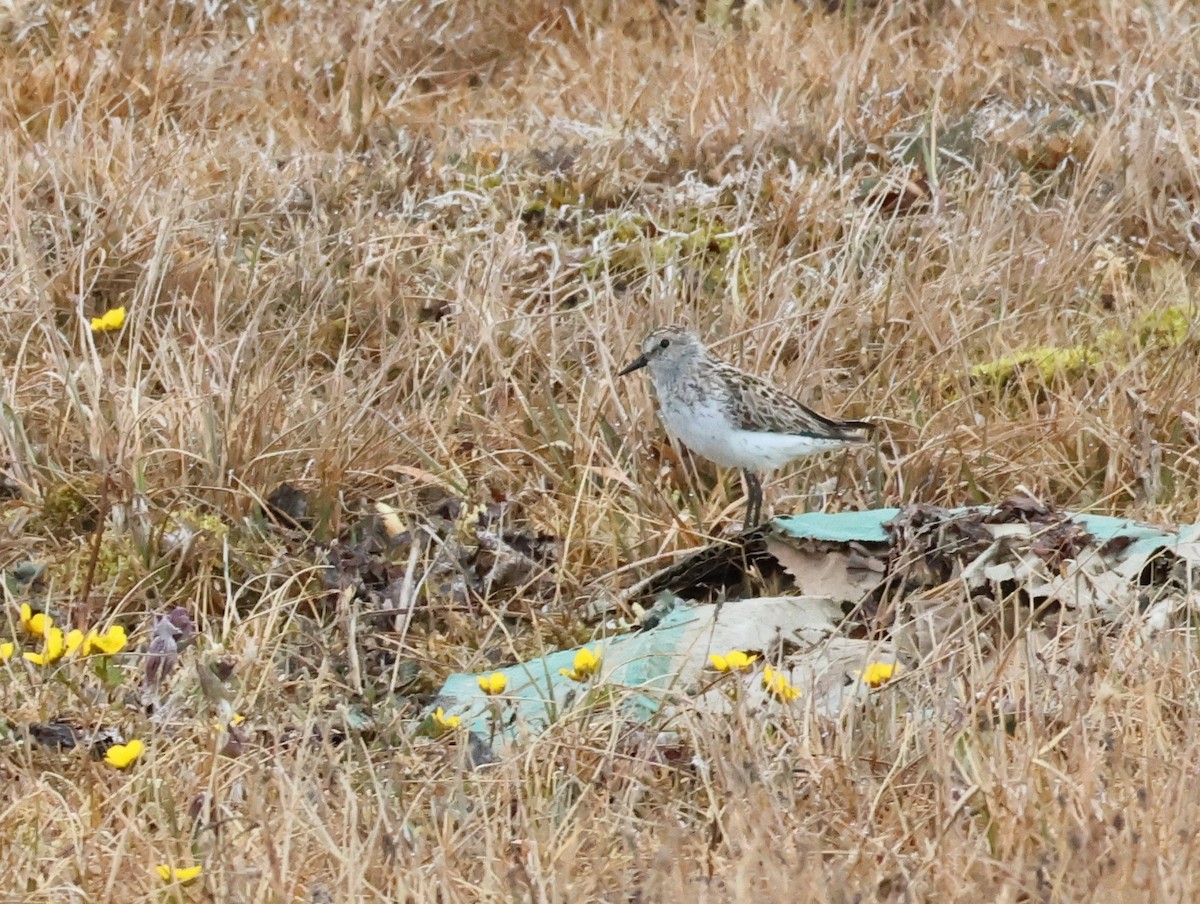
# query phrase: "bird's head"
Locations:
[[665, 350]]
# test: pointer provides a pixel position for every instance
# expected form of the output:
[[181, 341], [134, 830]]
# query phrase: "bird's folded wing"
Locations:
[[766, 408]]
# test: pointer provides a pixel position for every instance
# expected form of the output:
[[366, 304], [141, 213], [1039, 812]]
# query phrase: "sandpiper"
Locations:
[[731, 417]]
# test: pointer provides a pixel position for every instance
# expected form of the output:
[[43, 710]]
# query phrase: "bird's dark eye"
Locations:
[[664, 343]]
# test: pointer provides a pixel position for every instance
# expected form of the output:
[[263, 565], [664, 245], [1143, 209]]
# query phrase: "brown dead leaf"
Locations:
[[1018, 507], [1061, 543], [823, 569]]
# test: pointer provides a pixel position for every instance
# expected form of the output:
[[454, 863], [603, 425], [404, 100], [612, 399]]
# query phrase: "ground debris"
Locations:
[[441, 553], [823, 598], [62, 734], [290, 507]]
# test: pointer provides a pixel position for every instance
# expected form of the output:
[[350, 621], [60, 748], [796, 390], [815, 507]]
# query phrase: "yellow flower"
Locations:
[[443, 722], [733, 661], [56, 647], [36, 623], [585, 665], [778, 686], [6, 651], [122, 756], [234, 721], [184, 876], [494, 683], [74, 641], [878, 673], [112, 319], [111, 641], [51, 651]]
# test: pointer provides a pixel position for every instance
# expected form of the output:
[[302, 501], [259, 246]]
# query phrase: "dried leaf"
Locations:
[[823, 569]]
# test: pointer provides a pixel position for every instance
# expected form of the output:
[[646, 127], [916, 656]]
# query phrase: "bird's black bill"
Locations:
[[637, 364]]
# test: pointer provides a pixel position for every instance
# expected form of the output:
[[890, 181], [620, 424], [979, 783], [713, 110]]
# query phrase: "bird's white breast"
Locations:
[[705, 428]]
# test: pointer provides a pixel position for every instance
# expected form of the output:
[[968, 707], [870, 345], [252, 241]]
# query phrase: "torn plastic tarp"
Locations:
[[844, 568]]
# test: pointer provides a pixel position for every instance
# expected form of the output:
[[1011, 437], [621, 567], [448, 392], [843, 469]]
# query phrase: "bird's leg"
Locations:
[[754, 498]]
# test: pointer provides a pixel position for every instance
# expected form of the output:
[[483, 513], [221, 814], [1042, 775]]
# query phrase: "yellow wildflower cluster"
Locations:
[[57, 643], [733, 661], [774, 682], [184, 876], [112, 319], [36, 623], [778, 686], [586, 665], [122, 756], [493, 684], [443, 723], [879, 673]]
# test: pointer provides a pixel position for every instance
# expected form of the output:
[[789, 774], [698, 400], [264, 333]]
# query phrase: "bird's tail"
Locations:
[[856, 431]]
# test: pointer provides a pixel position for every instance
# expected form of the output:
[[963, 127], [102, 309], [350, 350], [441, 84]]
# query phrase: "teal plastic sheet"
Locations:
[[649, 660]]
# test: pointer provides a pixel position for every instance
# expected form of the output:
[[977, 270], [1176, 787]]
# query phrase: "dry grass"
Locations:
[[397, 251]]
